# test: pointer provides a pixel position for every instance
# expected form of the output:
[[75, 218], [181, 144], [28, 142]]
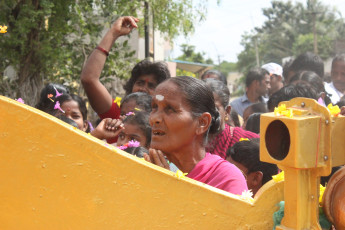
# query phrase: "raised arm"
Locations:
[[99, 97]]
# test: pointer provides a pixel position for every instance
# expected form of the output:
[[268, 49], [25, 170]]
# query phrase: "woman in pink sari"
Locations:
[[183, 115]]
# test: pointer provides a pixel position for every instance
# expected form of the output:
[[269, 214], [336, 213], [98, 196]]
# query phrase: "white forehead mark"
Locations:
[[160, 97]]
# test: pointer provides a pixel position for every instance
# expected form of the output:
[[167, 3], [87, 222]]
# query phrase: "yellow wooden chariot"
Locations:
[[53, 176]]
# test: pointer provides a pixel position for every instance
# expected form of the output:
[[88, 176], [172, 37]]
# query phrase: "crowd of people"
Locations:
[[187, 123]]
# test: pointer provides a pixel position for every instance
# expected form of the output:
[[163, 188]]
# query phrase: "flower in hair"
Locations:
[[57, 106], [49, 96], [123, 147], [3, 29], [118, 101], [129, 114], [334, 110], [130, 144], [57, 93], [244, 139], [133, 143], [20, 100]]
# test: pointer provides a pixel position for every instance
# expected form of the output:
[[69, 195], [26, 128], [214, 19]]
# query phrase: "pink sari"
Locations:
[[219, 173]]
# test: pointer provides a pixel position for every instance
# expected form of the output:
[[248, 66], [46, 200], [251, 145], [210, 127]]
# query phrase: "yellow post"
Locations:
[[302, 138], [301, 209]]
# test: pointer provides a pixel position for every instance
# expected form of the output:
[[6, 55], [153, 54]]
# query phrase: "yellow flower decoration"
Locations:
[[333, 109], [322, 190], [137, 109], [278, 177], [118, 101], [3, 29], [244, 139], [247, 195], [179, 174], [283, 111]]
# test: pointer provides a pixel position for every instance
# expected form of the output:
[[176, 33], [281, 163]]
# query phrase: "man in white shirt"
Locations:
[[337, 87]]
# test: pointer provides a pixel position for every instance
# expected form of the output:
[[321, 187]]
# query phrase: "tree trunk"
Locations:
[[30, 74]]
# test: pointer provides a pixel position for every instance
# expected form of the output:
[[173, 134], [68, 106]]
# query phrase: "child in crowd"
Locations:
[[246, 156], [136, 101], [137, 151], [49, 94], [67, 120], [74, 108], [253, 123], [259, 107], [132, 103], [71, 106], [136, 127]]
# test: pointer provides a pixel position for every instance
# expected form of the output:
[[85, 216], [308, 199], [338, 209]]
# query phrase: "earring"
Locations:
[[226, 118]]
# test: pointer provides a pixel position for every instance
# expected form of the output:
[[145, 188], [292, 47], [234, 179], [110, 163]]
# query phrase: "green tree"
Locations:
[[289, 31], [50, 40], [190, 55]]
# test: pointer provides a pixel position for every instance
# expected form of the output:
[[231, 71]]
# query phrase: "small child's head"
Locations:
[[52, 88], [137, 151], [253, 123], [245, 155], [67, 120], [74, 108], [260, 107], [136, 127], [135, 101]]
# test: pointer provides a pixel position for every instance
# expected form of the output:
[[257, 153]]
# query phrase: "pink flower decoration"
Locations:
[[57, 93], [130, 113], [20, 100], [133, 144], [122, 147], [57, 106]]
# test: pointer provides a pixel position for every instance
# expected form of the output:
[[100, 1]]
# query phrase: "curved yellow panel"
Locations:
[[53, 176]]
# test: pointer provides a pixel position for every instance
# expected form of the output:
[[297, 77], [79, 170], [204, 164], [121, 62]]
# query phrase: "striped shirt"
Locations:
[[227, 138]]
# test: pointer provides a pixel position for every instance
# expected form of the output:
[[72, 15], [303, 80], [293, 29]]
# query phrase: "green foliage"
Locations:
[[227, 67], [190, 55], [50, 40], [288, 31]]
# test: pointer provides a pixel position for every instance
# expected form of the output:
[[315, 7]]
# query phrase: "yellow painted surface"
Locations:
[[316, 144], [53, 176]]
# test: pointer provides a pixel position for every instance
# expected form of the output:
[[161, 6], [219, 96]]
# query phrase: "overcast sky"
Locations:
[[220, 35]]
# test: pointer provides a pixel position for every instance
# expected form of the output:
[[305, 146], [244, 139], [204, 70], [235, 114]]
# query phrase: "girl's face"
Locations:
[[173, 127], [131, 132], [72, 111]]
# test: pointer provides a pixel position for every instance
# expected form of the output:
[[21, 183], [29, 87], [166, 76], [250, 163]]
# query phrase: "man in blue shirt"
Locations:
[[257, 86]]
